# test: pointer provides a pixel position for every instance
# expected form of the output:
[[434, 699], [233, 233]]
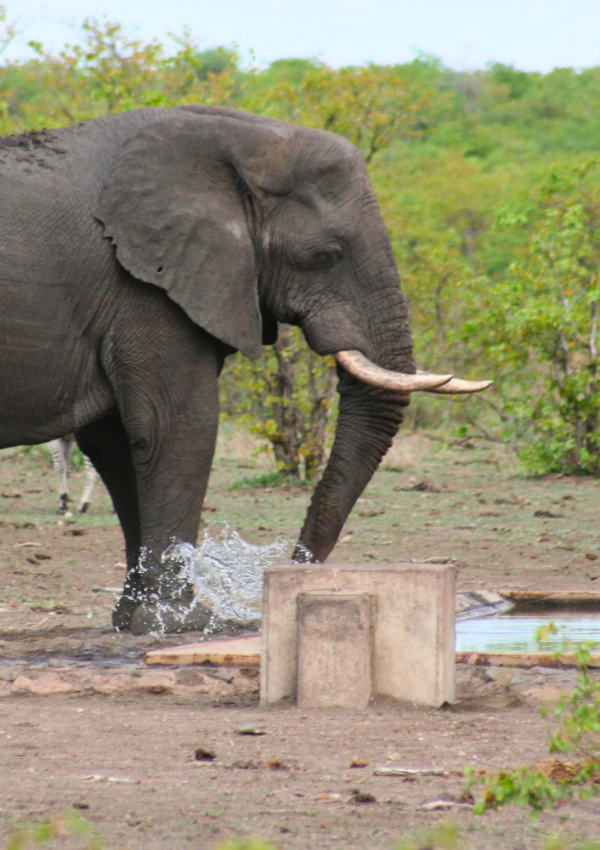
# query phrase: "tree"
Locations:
[[286, 397], [540, 325], [371, 106], [9, 31]]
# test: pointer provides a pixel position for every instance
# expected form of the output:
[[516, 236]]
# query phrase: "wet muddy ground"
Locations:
[[84, 723]]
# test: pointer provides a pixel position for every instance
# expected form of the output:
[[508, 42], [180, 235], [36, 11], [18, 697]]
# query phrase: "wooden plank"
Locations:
[[523, 659], [225, 652], [554, 598]]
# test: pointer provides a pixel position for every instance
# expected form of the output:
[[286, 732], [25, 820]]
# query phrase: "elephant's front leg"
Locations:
[[170, 415], [172, 470]]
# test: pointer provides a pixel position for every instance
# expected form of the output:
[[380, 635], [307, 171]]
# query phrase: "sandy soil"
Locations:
[[77, 702]]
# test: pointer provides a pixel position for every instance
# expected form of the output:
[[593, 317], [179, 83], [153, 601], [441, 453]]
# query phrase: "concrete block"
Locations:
[[412, 613], [334, 650]]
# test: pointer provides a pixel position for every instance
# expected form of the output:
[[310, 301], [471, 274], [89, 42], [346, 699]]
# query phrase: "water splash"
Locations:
[[227, 573]]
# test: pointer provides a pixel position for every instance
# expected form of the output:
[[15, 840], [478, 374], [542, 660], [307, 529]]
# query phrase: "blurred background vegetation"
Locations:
[[490, 187]]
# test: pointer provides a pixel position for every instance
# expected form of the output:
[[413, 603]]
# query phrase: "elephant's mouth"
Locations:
[[365, 370]]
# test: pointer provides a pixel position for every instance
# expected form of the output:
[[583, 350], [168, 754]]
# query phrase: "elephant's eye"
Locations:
[[325, 260]]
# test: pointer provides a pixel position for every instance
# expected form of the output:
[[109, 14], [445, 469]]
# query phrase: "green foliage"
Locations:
[[577, 735], [214, 62], [372, 106], [524, 787], [539, 324], [579, 727], [444, 836], [41, 834], [246, 844], [259, 482]]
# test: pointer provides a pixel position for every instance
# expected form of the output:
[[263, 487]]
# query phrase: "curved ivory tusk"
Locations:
[[458, 386], [361, 367]]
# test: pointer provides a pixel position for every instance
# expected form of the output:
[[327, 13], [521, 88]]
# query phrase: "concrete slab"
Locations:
[[413, 626], [334, 650]]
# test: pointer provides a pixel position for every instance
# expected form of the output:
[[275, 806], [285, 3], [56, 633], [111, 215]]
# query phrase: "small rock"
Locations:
[[45, 685], [355, 761], [547, 695], [558, 770], [422, 486], [81, 804], [9, 674], [189, 677], [155, 684], [251, 729], [202, 754], [443, 804], [362, 797], [250, 672], [498, 674]]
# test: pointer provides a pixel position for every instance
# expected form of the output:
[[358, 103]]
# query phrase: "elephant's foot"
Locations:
[[123, 612], [169, 618], [159, 616]]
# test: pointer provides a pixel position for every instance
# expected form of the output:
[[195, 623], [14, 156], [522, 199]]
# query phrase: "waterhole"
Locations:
[[561, 630]]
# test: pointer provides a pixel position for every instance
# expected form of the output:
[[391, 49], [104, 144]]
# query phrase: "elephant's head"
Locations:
[[245, 220]]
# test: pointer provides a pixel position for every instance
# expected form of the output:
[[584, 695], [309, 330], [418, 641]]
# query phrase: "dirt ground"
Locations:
[[84, 724]]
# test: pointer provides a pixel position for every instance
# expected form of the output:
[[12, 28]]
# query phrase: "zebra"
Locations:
[[61, 451]]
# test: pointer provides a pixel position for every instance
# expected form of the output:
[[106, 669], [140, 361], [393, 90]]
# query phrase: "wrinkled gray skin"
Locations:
[[136, 252]]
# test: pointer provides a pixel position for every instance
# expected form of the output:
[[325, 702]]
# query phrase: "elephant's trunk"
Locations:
[[369, 416], [367, 423]]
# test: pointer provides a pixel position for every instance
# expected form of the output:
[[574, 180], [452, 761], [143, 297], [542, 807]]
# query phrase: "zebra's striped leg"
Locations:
[[61, 451], [107, 446], [91, 476]]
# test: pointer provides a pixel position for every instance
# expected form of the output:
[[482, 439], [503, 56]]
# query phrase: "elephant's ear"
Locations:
[[177, 209]]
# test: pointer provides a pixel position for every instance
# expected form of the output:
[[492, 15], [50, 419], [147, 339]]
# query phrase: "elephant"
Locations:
[[137, 252]]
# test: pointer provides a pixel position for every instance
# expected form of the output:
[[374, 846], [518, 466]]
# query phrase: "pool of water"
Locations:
[[517, 632]]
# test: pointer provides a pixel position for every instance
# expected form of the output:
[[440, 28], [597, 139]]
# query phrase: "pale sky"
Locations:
[[465, 34]]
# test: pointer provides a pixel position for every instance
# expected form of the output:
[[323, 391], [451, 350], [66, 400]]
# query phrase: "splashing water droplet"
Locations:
[[227, 572]]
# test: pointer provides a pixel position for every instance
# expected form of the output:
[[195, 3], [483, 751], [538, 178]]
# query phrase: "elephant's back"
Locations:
[[50, 182], [68, 163]]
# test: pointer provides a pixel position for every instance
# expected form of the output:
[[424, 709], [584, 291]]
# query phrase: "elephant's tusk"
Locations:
[[361, 367], [458, 386]]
